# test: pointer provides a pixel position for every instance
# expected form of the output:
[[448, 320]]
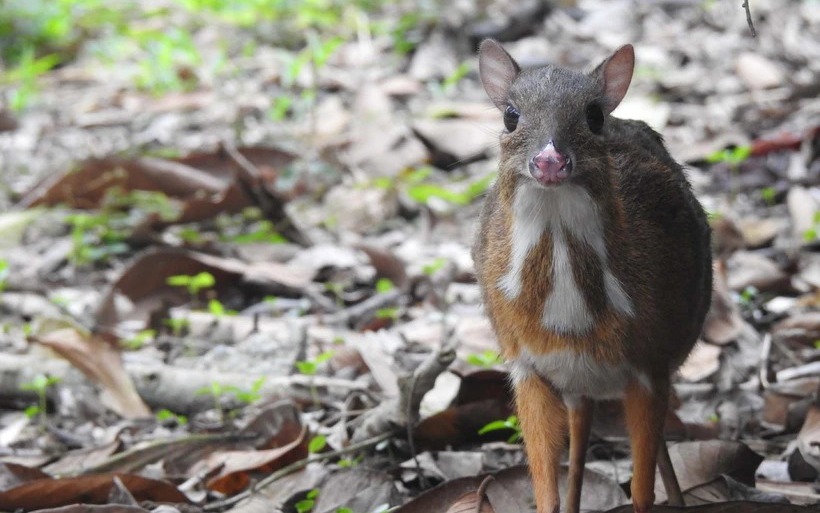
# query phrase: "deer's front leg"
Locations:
[[543, 423]]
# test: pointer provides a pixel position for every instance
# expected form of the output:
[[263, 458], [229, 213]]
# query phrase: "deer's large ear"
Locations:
[[497, 70], [614, 76]]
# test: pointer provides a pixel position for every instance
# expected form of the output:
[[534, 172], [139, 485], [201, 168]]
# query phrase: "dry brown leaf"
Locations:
[[469, 503], [144, 281], [779, 398], [698, 464], [100, 363], [13, 475], [52, 493], [723, 321], [94, 508]]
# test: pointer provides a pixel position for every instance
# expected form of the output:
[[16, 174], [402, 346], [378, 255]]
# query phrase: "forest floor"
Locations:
[[235, 268]]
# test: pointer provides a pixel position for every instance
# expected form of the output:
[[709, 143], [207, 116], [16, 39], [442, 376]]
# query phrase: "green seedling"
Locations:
[[95, 238], [248, 396], [280, 108], [138, 340], [218, 310], [40, 386], [389, 312], [485, 359], [510, 422], [384, 285], [811, 234], [732, 156], [817, 344], [456, 76], [194, 284], [305, 505], [178, 325], [423, 192], [316, 444], [434, 267], [748, 295], [4, 273], [768, 195], [309, 368], [217, 393], [166, 415], [350, 462]]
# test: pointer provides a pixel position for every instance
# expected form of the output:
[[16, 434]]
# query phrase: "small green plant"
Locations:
[[389, 312], [178, 325], [217, 393], [768, 195], [384, 285], [485, 359], [309, 367], [732, 156], [316, 444], [138, 340], [166, 415], [4, 273], [350, 462], [218, 310], [434, 267], [423, 192], [23, 78], [248, 396], [748, 295], [194, 284], [95, 238], [817, 344], [456, 76], [280, 108], [810, 235], [305, 505], [39, 385], [510, 422]]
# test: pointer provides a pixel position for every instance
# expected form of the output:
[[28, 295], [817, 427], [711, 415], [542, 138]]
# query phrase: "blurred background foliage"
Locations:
[[155, 42]]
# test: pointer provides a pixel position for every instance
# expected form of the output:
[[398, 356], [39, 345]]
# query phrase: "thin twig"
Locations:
[[293, 467], [749, 17]]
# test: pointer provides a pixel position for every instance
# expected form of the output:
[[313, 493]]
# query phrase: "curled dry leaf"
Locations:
[[144, 281], [101, 363], [13, 475], [723, 321], [51, 493], [699, 464]]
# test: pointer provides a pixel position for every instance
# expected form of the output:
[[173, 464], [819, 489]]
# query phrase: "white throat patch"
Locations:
[[569, 208]]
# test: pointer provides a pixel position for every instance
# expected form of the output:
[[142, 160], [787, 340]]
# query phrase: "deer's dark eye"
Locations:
[[595, 118], [511, 116]]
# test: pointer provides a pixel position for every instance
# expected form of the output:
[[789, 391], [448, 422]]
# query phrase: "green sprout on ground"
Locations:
[[316, 444], [178, 325], [94, 238], [217, 393], [423, 192], [510, 423], [218, 310], [456, 76], [248, 396], [40, 386], [434, 267], [138, 340], [350, 462], [306, 504], [193, 283], [768, 195], [485, 359], [390, 312], [811, 234], [4, 273], [309, 368], [732, 156], [384, 285], [166, 415]]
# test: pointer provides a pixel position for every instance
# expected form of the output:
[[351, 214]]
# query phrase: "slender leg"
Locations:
[[670, 480], [580, 421], [645, 414], [543, 423]]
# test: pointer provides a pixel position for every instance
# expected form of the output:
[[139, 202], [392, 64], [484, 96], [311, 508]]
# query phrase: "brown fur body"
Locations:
[[657, 248]]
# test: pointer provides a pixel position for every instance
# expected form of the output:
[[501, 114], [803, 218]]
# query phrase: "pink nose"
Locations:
[[549, 166]]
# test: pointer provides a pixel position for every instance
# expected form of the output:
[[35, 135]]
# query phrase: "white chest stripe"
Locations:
[[568, 207]]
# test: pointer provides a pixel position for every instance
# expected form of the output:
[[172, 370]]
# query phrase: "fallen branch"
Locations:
[[749, 17]]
